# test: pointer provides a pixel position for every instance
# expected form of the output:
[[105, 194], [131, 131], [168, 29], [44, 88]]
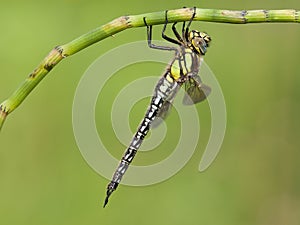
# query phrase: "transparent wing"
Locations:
[[195, 91], [162, 114], [166, 107]]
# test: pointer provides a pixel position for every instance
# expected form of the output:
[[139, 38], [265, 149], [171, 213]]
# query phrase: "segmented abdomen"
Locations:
[[164, 89]]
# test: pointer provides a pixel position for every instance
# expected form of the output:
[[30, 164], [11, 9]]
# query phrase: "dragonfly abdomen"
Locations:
[[163, 90]]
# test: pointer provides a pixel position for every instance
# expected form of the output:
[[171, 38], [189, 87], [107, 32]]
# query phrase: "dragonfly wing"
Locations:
[[195, 91], [162, 114], [166, 107]]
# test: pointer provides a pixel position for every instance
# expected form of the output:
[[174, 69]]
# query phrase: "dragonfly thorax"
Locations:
[[198, 41]]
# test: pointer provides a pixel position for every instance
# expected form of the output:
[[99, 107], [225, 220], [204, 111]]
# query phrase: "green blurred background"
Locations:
[[255, 178]]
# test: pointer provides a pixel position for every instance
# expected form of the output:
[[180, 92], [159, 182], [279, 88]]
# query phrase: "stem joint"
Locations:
[[3, 111]]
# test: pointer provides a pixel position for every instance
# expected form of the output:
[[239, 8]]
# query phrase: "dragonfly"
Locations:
[[183, 69]]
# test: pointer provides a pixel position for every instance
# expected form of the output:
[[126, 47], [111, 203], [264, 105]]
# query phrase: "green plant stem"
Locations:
[[125, 22]]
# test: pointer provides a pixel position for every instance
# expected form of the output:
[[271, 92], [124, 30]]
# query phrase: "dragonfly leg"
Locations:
[[149, 38], [183, 28], [164, 36], [186, 31], [176, 32]]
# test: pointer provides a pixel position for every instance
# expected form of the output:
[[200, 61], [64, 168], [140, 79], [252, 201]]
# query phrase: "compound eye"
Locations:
[[197, 41]]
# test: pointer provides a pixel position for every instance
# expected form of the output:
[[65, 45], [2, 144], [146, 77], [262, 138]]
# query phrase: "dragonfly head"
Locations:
[[199, 41]]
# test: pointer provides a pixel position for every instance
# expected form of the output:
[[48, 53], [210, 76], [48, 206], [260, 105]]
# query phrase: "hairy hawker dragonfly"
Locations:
[[183, 69]]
